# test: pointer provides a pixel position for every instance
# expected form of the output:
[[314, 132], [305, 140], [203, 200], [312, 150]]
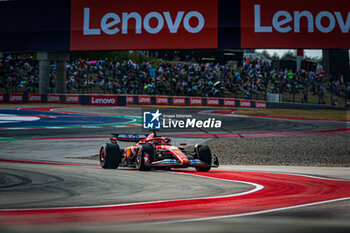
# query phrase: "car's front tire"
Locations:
[[145, 157], [110, 156], [204, 155]]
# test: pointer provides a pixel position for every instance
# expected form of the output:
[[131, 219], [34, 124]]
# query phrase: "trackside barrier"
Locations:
[[193, 101], [129, 99], [229, 103], [15, 98], [2, 98], [53, 98], [245, 103], [19, 98], [110, 100], [178, 101], [260, 104], [123, 100], [72, 99], [162, 100], [213, 102], [35, 98], [196, 101], [144, 99]]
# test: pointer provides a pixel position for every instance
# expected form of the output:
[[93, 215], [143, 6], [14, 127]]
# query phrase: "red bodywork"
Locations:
[[159, 143]]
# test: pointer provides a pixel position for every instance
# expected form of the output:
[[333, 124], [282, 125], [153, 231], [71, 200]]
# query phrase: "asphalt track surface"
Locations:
[[43, 188], [92, 127]]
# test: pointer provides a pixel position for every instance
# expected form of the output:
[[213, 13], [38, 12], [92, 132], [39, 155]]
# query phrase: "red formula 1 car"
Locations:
[[152, 151]]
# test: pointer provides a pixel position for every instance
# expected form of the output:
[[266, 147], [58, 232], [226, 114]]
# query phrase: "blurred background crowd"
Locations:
[[253, 78]]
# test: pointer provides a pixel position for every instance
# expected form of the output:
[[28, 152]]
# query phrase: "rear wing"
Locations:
[[128, 137]]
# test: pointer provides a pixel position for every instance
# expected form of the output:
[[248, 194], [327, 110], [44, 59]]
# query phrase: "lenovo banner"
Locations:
[[295, 24], [196, 101], [15, 98], [103, 100], [130, 99], [2, 99], [34, 98], [86, 25], [53, 98], [213, 102], [245, 103], [144, 99], [162, 100], [260, 104], [138, 24], [179, 101], [229, 102], [72, 99]]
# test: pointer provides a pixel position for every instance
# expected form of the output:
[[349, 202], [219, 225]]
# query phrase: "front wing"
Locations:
[[193, 163]]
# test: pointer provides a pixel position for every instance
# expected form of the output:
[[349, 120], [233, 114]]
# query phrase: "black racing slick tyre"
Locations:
[[204, 155], [110, 156], [145, 157]]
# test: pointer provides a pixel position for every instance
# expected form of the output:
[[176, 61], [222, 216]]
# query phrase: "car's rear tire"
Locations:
[[145, 157], [110, 156], [204, 155]]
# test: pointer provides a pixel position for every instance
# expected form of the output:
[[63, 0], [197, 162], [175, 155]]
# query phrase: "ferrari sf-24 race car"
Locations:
[[152, 151]]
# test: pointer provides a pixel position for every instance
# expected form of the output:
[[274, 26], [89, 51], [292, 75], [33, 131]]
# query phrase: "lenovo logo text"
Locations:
[[179, 101], [109, 24], [130, 99], [102, 100], [196, 101], [162, 100], [72, 99], [53, 98], [35, 98], [145, 100], [282, 21], [213, 102], [229, 102], [15, 98]]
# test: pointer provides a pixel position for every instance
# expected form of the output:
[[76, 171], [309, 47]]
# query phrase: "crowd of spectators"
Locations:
[[20, 72], [130, 78], [171, 78], [284, 81], [309, 83]]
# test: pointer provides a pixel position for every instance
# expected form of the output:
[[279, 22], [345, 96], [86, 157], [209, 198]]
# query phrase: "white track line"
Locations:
[[259, 212], [247, 214], [251, 213], [257, 188]]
